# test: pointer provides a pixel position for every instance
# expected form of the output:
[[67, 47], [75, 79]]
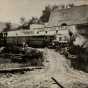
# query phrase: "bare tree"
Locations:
[[22, 20], [7, 27]]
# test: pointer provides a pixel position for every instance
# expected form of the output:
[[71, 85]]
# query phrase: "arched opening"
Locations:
[[63, 24], [46, 32], [56, 31]]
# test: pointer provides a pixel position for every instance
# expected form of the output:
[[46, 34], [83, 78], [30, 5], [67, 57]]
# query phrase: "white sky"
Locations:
[[12, 10]]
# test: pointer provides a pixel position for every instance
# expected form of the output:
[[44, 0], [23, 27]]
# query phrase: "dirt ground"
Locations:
[[56, 66]]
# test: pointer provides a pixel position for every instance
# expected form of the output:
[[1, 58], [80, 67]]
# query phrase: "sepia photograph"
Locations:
[[44, 44]]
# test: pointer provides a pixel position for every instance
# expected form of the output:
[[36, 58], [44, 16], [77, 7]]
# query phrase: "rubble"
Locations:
[[57, 66]]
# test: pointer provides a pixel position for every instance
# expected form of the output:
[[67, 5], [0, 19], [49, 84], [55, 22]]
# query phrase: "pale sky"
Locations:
[[12, 10]]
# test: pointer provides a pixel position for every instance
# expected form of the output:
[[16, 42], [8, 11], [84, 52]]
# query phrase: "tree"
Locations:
[[33, 20], [24, 23], [45, 14], [8, 27], [54, 7], [71, 5], [22, 20]]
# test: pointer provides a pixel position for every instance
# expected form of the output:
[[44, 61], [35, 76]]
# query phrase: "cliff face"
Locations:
[[72, 16], [69, 16]]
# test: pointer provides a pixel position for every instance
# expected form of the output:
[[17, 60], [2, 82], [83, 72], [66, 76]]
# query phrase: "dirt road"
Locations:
[[56, 66]]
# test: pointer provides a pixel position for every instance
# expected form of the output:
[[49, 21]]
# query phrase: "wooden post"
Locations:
[[57, 82]]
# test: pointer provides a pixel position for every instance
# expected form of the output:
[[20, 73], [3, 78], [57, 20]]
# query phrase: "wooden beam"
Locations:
[[12, 70], [57, 82]]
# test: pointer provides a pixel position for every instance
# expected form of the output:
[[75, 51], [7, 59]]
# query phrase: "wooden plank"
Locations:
[[57, 82], [11, 70]]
